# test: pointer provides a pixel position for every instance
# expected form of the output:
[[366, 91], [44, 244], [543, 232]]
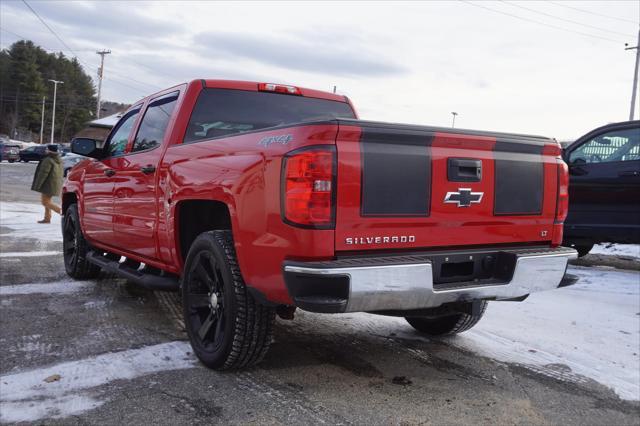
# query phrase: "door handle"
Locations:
[[148, 169], [628, 173], [109, 172]]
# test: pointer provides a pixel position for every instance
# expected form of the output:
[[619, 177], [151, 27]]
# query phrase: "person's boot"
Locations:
[[44, 221]]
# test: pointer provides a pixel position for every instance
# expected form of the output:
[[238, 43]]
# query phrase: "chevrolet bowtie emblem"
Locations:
[[464, 197]]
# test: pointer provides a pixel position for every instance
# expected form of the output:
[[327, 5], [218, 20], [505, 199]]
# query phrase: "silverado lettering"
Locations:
[[381, 240], [337, 215]]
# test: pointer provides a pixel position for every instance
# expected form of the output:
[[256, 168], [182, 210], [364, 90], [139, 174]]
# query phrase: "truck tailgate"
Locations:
[[408, 187]]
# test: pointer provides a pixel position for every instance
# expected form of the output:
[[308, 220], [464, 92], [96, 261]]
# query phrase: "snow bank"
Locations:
[[593, 328], [627, 250]]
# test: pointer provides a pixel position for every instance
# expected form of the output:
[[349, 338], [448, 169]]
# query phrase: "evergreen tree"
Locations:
[[28, 86], [25, 71]]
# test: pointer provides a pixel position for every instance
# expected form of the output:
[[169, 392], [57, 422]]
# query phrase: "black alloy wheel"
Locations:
[[75, 248], [70, 241], [226, 326], [206, 301]]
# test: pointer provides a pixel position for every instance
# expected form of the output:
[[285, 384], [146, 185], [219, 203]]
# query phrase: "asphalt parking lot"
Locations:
[[106, 352]]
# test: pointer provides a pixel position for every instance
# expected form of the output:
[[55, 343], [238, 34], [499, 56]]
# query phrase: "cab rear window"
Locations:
[[222, 112]]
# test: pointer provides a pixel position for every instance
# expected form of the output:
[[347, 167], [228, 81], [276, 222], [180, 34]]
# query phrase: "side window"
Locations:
[[616, 145], [154, 123], [117, 143]]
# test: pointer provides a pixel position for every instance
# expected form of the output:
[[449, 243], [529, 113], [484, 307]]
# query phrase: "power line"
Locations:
[[563, 19], [19, 37], [144, 91], [154, 87], [48, 102], [539, 22], [49, 28], [137, 89], [12, 33], [78, 57], [593, 13], [149, 68]]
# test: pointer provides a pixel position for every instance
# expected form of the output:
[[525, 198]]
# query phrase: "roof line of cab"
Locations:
[[250, 86]]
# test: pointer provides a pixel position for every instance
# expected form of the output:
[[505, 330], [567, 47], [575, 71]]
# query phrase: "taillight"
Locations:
[[308, 187], [279, 88], [562, 203], [562, 206]]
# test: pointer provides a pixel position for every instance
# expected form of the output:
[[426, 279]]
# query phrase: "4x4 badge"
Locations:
[[464, 197]]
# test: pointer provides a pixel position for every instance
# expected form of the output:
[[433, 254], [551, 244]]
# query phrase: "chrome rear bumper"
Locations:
[[407, 282]]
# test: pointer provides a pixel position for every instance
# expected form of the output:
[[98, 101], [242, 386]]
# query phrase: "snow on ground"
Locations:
[[28, 397], [627, 250], [29, 253], [60, 287], [592, 327], [23, 219]]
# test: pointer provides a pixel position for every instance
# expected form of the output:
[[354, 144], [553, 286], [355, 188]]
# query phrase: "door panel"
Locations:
[[604, 189], [98, 202], [135, 205], [99, 181]]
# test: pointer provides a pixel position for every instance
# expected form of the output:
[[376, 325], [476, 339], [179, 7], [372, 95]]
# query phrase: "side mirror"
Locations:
[[87, 147]]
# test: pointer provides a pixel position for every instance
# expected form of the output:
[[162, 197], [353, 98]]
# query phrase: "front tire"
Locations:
[[75, 247], [227, 327], [448, 324]]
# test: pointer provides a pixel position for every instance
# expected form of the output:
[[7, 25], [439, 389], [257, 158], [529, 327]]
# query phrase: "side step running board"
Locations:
[[146, 280]]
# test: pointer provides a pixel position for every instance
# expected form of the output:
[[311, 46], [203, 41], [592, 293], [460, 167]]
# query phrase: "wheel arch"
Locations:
[[68, 198], [192, 217]]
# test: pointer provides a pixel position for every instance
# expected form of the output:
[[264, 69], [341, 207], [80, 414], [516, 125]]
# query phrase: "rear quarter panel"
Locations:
[[245, 175]]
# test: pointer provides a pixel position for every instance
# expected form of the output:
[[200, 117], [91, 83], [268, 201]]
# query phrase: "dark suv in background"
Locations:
[[33, 153], [604, 187]]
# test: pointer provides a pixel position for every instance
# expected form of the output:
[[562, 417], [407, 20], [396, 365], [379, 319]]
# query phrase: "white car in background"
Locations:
[[69, 160]]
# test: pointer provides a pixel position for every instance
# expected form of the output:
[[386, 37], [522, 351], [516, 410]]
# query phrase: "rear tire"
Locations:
[[226, 326], [75, 247], [583, 250], [447, 325]]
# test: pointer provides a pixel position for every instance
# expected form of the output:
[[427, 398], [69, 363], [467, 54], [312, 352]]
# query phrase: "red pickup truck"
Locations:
[[254, 199]]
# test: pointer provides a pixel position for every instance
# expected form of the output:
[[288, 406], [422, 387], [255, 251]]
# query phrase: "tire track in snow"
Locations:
[[298, 407], [272, 390], [170, 304]]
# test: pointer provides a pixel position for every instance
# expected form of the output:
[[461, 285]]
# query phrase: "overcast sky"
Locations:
[[552, 68]]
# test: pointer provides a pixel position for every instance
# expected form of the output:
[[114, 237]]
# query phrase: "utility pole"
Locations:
[[53, 113], [100, 74], [42, 121], [635, 76], [453, 124]]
